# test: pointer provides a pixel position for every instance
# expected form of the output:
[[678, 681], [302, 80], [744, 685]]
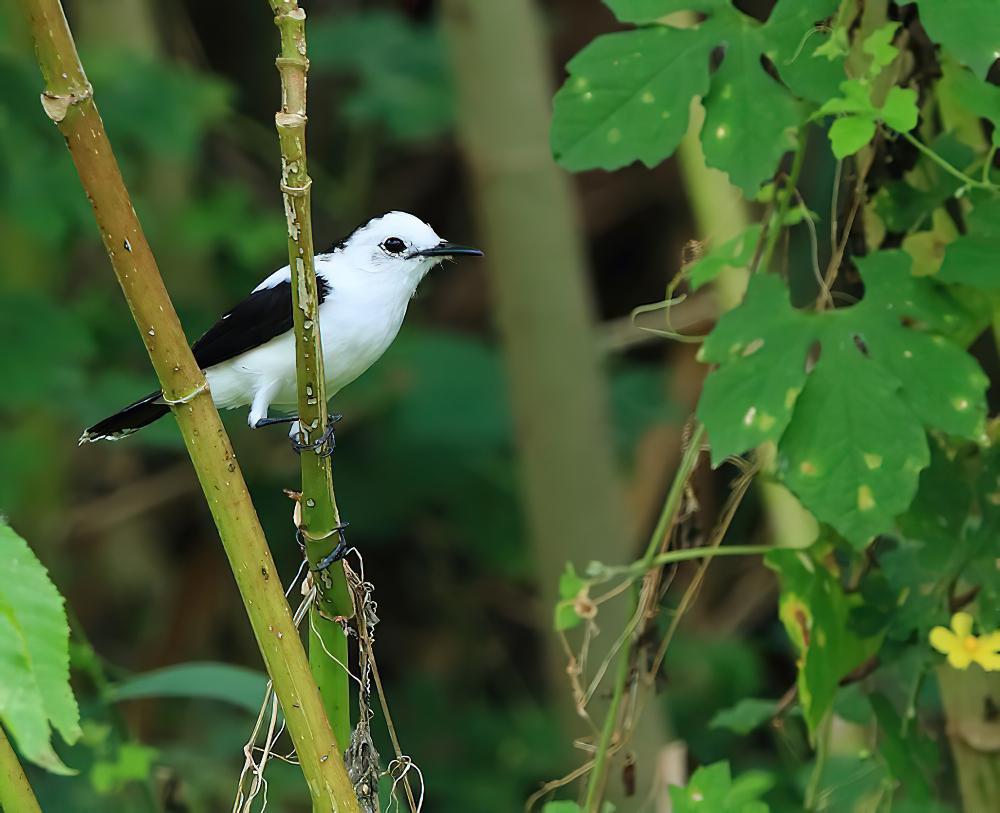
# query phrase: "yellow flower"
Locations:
[[963, 648]]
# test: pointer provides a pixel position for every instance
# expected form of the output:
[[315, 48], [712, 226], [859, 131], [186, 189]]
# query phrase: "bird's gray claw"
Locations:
[[323, 446]]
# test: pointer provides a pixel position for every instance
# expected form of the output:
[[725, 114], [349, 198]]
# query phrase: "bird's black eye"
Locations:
[[394, 245]]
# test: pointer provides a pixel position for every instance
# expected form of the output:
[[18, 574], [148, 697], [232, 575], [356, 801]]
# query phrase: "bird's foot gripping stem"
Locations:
[[324, 445], [339, 551]]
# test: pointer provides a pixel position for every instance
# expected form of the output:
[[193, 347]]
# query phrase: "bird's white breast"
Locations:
[[359, 318]]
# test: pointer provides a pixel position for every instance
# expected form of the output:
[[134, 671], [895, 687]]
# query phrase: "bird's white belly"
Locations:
[[352, 342]]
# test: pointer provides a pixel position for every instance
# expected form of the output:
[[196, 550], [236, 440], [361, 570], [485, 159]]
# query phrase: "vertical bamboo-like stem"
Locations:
[[68, 101], [320, 516], [971, 698], [16, 794]]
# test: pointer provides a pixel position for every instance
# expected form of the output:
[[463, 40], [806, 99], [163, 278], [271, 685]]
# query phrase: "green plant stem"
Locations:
[[784, 199], [949, 168], [822, 751], [68, 101], [668, 515], [684, 555], [319, 512], [16, 794]]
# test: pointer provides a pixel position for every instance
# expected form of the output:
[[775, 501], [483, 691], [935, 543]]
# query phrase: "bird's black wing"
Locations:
[[262, 316]]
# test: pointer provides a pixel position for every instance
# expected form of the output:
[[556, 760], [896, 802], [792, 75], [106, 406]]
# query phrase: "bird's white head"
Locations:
[[397, 243]]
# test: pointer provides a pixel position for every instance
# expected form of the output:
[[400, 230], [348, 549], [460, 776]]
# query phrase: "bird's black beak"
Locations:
[[446, 249]]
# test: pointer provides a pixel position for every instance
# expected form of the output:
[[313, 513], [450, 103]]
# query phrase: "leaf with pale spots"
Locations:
[[854, 450], [815, 612], [761, 350], [948, 22], [852, 443], [628, 94], [627, 97]]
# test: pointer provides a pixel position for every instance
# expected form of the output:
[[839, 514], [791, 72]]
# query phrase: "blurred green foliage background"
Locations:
[[426, 465]]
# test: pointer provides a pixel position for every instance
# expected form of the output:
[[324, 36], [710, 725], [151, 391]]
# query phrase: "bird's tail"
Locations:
[[128, 420]]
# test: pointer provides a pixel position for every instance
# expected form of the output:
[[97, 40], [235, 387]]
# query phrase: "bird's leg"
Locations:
[[262, 422], [324, 444], [338, 553]]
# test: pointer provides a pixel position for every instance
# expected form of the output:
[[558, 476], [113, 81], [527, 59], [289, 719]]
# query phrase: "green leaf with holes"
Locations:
[[628, 94], [851, 433], [948, 23], [34, 656], [815, 612]]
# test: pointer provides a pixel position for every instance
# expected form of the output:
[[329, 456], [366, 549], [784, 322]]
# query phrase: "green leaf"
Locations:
[[878, 45], [628, 94], [980, 98], [910, 755], [972, 258], [968, 29], [815, 611], [742, 92], [204, 681], [735, 253], [571, 586], [900, 110], [748, 714], [132, 763], [849, 134], [627, 97], [712, 788], [852, 454], [34, 656], [761, 350], [565, 806]]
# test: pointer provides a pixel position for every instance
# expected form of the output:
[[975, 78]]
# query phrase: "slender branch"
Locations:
[[320, 516], [684, 555], [68, 101], [949, 168], [15, 791], [668, 516]]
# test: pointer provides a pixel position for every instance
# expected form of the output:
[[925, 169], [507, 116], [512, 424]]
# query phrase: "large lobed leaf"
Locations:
[[34, 655], [628, 94], [949, 22], [850, 432]]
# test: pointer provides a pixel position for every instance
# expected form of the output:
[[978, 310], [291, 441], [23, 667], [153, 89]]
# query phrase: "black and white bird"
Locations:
[[364, 283]]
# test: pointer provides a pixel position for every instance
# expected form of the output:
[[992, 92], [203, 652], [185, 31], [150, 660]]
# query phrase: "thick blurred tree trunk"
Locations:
[[572, 491]]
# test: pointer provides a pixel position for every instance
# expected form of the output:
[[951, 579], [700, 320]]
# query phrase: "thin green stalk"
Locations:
[[784, 199], [68, 101], [949, 168], [320, 516], [671, 506], [16, 794], [822, 752], [684, 555]]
